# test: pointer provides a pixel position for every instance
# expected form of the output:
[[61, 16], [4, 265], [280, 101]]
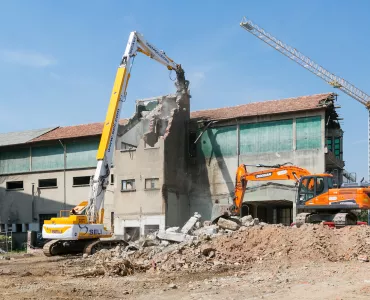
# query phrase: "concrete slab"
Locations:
[[189, 225]]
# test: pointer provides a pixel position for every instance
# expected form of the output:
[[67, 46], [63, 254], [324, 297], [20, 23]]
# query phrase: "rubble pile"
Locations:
[[232, 242]]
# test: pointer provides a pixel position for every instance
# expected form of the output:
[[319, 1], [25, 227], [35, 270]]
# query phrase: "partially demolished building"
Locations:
[[169, 164], [150, 165], [304, 131]]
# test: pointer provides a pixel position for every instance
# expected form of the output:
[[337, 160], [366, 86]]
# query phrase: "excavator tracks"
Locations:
[[89, 247], [63, 247], [344, 219], [339, 219]]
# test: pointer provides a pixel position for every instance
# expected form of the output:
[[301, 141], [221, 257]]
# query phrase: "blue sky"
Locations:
[[58, 59]]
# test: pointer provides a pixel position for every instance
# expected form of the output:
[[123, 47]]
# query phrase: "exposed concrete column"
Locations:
[[14, 227], [294, 210], [323, 141], [294, 134], [30, 159], [255, 208], [238, 142]]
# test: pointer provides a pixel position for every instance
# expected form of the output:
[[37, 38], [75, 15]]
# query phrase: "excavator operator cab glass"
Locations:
[[306, 189], [312, 186], [330, 183]]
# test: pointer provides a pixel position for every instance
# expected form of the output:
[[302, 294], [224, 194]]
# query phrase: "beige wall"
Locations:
[[139, 164], [135, 208]]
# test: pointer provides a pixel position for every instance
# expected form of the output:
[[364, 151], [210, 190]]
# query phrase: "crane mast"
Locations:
[[310, 65]]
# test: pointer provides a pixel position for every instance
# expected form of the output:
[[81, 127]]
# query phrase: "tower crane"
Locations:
[[304, 61]]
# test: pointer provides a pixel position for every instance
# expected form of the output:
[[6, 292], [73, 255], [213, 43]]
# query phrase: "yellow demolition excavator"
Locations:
[[318, 197], [83, 230]]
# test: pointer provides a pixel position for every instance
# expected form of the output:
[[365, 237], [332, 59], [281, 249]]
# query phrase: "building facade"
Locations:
[[44, 174], [151, 167], [294, 130], [169, 164]]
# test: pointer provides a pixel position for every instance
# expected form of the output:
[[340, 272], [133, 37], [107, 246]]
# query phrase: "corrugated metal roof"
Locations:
[[21, 137]]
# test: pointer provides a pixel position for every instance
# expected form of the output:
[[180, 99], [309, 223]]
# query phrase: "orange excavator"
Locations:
[[318, 198]]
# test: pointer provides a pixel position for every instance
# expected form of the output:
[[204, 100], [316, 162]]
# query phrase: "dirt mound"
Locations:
[[247, 244], [271, 242], [316, 242]]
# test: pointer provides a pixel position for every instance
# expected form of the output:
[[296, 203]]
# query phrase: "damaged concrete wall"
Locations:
[[157, 162], [176, 187]]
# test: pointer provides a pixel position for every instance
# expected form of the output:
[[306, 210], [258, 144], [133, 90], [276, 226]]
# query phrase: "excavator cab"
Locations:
[[312, 186]]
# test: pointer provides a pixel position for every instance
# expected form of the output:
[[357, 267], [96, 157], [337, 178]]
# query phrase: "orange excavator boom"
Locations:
[[277, 172]]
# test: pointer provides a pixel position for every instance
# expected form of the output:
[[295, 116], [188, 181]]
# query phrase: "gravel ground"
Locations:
[[39, 277]]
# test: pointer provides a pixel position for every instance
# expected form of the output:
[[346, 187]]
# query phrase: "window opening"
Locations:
[[128, 185], [14, 185], [81, 180], [45, 183], [151, 183]]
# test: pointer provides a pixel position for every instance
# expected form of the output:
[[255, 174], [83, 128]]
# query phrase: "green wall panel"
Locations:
[[308, 132], [265, 137], [218, 142], [82, 154], [16, 161], [47, 158]]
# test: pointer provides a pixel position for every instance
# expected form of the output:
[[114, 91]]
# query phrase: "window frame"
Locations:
[[151, 188], [128, 190]]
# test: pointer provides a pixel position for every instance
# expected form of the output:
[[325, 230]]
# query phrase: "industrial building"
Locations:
[[44, 172], [303, 131], [170, 163]]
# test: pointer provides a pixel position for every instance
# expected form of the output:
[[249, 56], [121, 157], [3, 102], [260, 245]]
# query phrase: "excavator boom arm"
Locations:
[[136, 43], [279, 173]]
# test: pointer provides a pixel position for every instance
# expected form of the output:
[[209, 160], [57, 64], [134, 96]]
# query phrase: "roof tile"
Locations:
[[76, 131], [263, 108]]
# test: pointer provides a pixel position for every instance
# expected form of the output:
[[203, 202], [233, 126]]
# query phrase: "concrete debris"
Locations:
[[172, 236], [363, 258], [173, 229], [208, 230], [208, 250], [172, 286], [228, 224], [191, 223], [148, 242], [229, 245], [246, 219]]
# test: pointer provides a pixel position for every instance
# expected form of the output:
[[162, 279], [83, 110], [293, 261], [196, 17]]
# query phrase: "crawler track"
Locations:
[[63, 247], [89, 247], [340, 219]]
